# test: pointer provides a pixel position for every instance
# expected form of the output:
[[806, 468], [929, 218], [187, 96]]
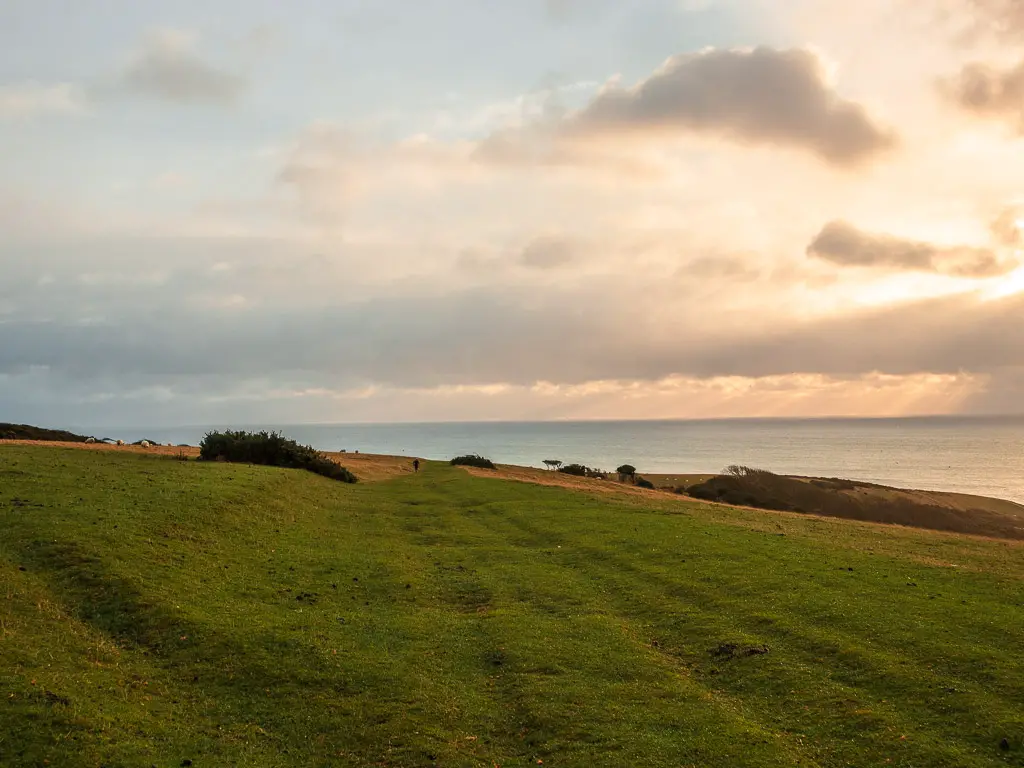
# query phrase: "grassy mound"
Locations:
[[155, 612], [269, 449]]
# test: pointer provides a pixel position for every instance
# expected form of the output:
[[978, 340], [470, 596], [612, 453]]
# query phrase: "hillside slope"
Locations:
[[156, 611], [856, 500], [29, 432]]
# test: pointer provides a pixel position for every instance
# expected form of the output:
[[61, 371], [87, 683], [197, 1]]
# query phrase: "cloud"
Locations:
[[989, 92], [214, 318], [169, 68], [31, 99], [761, 96], [548, 253], [1008, 227], [159, 311], [986, 18], [843, 244], [948, 335], [560, 10]]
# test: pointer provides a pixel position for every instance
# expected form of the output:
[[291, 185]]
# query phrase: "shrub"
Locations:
[[270, 449], [473, 460], [576, 470], [644, 483], [626, 469], [738, 470]]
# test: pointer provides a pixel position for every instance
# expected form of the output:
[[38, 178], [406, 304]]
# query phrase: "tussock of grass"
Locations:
[[155, 611]]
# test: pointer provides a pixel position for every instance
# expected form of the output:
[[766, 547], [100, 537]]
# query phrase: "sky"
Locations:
[[381, 210]]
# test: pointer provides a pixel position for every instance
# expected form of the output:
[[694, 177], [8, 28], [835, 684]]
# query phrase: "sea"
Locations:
[[976, 455]]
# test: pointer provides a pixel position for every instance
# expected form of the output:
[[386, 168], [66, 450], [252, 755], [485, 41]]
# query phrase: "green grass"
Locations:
[[154, 611]]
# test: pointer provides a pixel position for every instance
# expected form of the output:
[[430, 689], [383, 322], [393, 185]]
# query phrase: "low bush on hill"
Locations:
[[472, 461], [642, 482], [576, 470], [269, 449], [579, 470]]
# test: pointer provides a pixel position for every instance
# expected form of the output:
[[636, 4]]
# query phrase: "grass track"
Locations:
[[154, 611]]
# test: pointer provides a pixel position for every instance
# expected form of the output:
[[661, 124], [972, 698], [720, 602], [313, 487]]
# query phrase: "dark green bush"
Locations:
[[576, 470], [472, 461], [270, 449], [644, 483]]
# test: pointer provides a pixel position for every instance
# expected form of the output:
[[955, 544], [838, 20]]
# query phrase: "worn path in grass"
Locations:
[[154, 611]]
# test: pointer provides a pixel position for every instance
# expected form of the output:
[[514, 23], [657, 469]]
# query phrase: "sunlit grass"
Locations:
[[154, 611]]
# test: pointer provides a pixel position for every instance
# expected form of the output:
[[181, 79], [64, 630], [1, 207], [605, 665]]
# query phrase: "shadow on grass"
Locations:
[[234, 679]]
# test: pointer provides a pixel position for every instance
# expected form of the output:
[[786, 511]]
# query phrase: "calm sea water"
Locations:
[[979, 455]]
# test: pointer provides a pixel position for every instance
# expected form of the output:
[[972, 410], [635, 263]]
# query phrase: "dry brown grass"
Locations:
[[158, 450], [559, 480], [673, 481], [370, 467]]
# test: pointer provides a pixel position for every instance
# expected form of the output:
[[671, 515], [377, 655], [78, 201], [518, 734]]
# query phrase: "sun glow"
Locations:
[[1007, 285]]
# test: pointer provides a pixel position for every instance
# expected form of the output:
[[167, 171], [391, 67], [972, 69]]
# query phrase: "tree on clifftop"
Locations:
[[626, 472]]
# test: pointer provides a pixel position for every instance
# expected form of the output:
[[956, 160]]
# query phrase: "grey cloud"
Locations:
[[102, 338], [989, 92], [945, 336], [168, 68], [485, 335], [560, 10], [548, 253], [441, 340], [841, 243], [759, 96]]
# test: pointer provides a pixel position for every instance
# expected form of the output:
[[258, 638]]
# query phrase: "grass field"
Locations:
[[164, 612]]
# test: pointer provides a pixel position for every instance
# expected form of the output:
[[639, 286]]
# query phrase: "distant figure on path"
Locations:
[[415, 465]]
